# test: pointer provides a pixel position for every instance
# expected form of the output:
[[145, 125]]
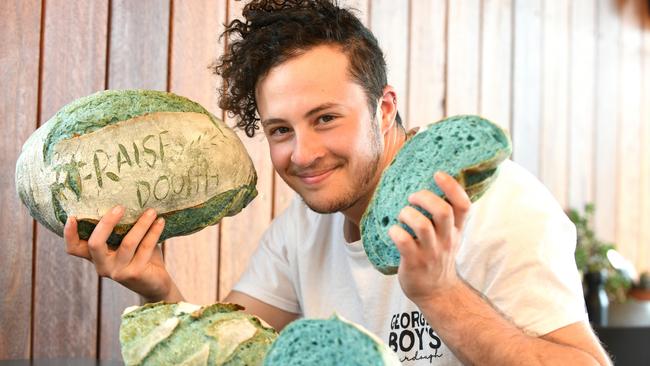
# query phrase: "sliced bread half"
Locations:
[[328, 342], [469, 148]]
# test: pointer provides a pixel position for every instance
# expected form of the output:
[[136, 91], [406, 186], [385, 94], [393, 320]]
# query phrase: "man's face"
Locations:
[[323, 140]]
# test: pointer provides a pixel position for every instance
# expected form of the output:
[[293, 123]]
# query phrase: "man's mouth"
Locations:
[[311, 178]]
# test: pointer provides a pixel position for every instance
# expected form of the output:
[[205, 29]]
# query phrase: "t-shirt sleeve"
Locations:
[[537, 284], [268, 277], [524, 258]]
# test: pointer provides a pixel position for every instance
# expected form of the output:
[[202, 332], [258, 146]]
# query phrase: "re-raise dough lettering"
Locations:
[[101, 159]]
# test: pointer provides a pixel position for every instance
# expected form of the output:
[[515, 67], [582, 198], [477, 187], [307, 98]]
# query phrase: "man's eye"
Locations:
[[279, 131], [326, 118]]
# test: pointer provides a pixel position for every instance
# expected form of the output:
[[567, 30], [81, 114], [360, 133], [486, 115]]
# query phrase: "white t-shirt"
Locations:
[[517, 250]]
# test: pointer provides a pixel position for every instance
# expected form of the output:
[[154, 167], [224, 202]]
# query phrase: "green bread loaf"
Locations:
[[328, 342], [140, 149], [185, 334], [469, 148]]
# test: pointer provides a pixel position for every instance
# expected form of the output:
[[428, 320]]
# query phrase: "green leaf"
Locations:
[[113, 176], [73, 182]]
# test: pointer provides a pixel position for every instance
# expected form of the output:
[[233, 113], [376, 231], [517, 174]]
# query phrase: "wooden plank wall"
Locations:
[[569, 79], [66, 291], [19, 73]]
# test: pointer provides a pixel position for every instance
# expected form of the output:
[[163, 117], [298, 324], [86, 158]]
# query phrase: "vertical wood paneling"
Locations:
[[360, 9], [193, 260], [389, 22], [19, 60], [74, 63], [282, 194], [496, 61], [240, 234], [527, 81], [428, 50], [137, 60], [607, 118], [643, 257], [555, 87], [582, 52], [139, 36], [463, 56], [629, 147]]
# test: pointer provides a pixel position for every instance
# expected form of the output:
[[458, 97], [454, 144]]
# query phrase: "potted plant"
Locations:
[[591, 255]]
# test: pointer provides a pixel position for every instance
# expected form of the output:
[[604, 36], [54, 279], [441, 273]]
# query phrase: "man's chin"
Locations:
[[321, 208], [327, 207]]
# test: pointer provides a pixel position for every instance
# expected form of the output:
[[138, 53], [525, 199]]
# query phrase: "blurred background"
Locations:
[[570, 80]]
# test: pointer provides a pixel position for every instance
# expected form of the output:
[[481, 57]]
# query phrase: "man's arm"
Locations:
[[276, 317], [475, 331], [479, 334]]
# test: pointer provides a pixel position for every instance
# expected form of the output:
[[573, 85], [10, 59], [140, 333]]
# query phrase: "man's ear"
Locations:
[[387, 107]]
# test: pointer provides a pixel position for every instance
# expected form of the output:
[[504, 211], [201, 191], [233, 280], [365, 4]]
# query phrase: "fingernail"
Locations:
[[150, 212], [160, 221], [118, 210], [439, 175]]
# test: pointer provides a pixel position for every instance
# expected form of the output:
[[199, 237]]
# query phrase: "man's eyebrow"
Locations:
[[271, 121], [311, 112], [320, 108]]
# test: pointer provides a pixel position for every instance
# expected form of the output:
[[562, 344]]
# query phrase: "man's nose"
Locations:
[[308, 148]]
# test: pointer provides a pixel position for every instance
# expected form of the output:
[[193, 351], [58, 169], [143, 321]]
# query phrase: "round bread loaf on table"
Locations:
[[185, 334], [140, 149], [469, 148], [329, 342]]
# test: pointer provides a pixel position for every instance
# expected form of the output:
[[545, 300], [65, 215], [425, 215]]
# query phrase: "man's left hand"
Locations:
[[428, 263]]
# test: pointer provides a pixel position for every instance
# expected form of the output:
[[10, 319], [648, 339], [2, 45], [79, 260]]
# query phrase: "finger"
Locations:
[[441, 212], [404, 242], [74, 245], [420, 224], [149, 244], [97, 246], [131, 240], [456, 195]]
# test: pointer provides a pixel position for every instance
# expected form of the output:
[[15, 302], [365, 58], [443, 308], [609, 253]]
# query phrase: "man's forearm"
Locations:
[[478, 334]]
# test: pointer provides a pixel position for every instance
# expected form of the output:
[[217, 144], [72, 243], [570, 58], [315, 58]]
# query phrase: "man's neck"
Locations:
[[393, 142]]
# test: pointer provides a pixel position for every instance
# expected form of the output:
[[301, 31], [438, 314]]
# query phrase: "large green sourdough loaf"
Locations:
[[185, 334], [140, 149], [469, 148], [329, 342]]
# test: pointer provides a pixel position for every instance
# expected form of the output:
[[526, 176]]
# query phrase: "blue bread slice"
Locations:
[[467, 147], [328, 342]]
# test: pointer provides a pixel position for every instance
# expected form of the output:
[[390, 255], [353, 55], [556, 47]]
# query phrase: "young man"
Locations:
[[493, 283]]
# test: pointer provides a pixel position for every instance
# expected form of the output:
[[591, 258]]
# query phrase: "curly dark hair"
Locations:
[[273, 31]]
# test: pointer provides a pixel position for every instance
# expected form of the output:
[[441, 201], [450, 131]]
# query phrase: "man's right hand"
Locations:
[[137, 263]]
